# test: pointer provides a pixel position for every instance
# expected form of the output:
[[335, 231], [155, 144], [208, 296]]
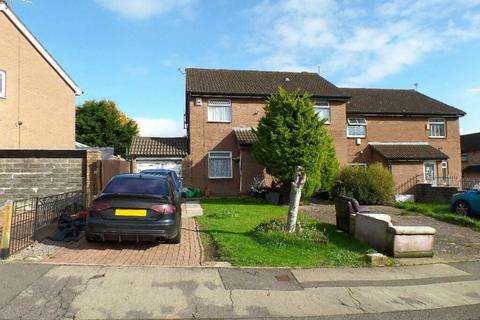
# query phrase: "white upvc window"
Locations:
[[322, 109], [437, 128], [220, 165], [357, 128], [3, 80], [357, 164], [219, 110]]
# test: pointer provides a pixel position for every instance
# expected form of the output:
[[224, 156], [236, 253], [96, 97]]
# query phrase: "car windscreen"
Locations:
[[138, 186], [155, 173]]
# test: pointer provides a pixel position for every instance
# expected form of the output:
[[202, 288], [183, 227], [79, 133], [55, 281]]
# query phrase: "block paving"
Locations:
[[188, 253]]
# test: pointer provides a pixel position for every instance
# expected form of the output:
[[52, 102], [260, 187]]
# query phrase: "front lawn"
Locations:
[[440, 212], [231, 226]]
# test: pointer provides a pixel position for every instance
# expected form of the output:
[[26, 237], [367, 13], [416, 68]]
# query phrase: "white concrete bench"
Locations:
[[397, 241]]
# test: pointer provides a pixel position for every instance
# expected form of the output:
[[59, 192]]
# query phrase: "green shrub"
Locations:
[[373, 185], [274, 232]]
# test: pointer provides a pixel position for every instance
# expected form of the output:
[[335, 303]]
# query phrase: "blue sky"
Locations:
[[130, 50]]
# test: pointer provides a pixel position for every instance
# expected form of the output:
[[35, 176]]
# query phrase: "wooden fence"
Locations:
[[106, 169]]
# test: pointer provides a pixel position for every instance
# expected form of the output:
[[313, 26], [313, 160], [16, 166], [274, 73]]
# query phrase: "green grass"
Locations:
[[440, 212], [230, 226]]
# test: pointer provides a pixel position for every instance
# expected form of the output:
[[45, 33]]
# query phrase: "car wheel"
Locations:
[[177, 238], [462, 208]]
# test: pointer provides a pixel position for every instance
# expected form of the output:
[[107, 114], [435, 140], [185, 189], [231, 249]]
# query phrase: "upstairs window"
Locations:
[[322, 109], [220, 165], [219, 110], [3, 80], [436, 128], [357, 128], [464, 156]]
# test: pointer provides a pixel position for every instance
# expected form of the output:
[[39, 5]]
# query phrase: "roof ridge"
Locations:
[[143, 137], [470, 134], [385, 89], [252, 70]]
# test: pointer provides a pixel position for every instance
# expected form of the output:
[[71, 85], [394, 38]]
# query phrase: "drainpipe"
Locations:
[[240, 169]]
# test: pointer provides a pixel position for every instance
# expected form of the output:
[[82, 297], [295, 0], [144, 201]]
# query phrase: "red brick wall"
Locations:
[[206, 136]]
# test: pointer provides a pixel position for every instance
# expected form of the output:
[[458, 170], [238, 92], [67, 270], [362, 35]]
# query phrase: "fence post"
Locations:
[[7, 226], [35, 218]]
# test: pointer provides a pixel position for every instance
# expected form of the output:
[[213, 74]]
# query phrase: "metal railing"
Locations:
[[28, 216], [450, 181]]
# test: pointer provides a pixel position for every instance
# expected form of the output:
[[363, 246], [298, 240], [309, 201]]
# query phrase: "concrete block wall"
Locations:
[[37, 177]]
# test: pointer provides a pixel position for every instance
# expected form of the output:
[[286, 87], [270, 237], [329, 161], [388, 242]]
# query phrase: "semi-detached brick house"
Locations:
[[410, 133], [470, 145]]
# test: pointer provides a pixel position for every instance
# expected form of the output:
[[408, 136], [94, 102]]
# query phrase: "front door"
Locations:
[[430, 173]]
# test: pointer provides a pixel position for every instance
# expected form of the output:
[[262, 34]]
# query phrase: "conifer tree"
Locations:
[[289, 135]]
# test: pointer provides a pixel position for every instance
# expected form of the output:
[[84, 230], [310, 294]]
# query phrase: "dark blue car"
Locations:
[[466, 203], [166, 172]]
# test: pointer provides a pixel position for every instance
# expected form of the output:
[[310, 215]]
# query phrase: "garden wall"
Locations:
[[427, 193]]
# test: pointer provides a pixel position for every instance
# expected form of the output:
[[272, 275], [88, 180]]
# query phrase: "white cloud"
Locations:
[[144, 9], [473, 91], [160, 127], [359, 44]]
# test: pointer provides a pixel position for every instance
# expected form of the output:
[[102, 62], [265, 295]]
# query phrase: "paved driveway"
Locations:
[[452, 242], [187, 253]]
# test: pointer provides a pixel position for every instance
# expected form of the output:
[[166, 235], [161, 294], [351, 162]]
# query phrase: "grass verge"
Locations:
[[440, 212], [241, 232]]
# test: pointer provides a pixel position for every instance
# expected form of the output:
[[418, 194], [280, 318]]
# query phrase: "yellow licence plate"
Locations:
[[131, 212]]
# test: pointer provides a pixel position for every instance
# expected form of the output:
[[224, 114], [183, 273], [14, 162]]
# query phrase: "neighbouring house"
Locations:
[[470, 145], [37, 122], [158, 153], [107, 153], [410, 133], [37, 97]]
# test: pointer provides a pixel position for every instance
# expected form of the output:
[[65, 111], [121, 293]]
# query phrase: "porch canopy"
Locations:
[[245, 136], [408, 151]]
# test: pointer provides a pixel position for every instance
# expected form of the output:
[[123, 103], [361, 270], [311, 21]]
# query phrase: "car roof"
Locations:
[[166, 171], [137, 176]]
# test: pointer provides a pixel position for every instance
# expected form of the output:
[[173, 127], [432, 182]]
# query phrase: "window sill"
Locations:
[[219, 178], [211, 121], [356, 137], [444, 137]]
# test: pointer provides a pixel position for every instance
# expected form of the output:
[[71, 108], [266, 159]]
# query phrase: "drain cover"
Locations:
[[282, 277]]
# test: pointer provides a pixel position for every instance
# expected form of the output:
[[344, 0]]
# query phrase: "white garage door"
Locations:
[[170, 164]]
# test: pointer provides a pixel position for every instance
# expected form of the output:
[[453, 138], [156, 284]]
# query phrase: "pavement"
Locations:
[[40, 291]]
